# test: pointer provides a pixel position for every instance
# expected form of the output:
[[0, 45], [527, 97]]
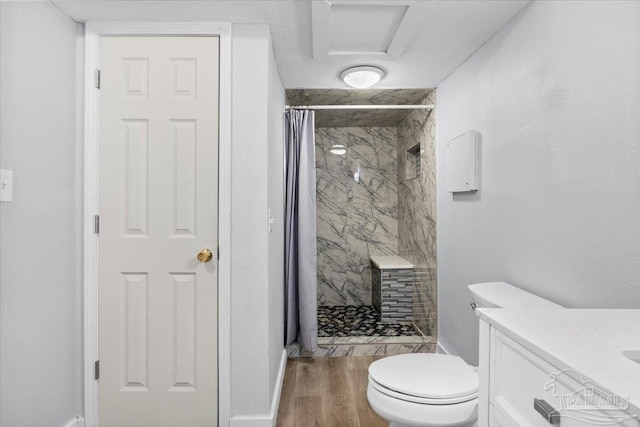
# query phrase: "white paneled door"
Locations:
[[158, 221]]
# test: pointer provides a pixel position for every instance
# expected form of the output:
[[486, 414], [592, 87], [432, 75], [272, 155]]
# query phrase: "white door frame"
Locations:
[[93, 32]]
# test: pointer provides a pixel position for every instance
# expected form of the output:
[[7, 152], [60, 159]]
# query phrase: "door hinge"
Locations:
[[97, 78], [96, 370], [218, 253], [96, 224]]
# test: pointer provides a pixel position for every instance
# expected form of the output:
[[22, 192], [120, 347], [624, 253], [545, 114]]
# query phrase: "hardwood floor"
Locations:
[[327, 392]]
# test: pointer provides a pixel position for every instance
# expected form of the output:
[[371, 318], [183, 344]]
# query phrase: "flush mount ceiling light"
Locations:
[[362, 77]]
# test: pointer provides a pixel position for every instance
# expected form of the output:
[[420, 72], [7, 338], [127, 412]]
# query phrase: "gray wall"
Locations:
[[257, 337], [39, 324], [556, 97]]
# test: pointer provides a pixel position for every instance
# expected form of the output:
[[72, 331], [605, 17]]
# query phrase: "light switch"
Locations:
[[6, 186], [271, 220]]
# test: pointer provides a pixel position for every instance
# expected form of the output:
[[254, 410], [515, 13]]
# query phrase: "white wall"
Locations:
[[276, 102], [556, 97], [256, 318], [39, 324], [39, 301]]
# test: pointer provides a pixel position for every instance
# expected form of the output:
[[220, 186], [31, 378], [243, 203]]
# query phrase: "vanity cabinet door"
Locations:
[[518, 377]]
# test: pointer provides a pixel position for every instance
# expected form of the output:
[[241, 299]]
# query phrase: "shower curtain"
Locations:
[[301, 303]]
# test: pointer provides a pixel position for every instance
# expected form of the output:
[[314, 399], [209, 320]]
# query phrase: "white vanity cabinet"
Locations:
[[513, 378]]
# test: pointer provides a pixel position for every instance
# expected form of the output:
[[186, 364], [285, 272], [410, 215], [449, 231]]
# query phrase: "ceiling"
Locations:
[[417, 42]]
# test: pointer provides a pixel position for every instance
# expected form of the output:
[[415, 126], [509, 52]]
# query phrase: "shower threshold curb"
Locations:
[[365, 346], [358, 340]]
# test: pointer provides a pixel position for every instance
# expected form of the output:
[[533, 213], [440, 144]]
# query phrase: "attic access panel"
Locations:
[[347, 27], [363, 29]]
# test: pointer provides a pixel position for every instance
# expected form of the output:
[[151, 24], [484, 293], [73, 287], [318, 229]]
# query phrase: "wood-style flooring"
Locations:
[[327, 392]]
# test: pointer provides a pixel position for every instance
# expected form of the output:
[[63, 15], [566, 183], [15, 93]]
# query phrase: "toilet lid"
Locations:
[[425, 375]]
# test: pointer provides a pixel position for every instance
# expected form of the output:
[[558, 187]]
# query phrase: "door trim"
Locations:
[[93, 32]]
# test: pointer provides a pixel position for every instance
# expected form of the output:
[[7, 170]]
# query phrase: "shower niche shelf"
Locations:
[[412, 162]]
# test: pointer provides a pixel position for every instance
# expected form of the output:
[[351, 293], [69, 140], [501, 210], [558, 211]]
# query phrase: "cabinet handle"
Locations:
[[546, 410]]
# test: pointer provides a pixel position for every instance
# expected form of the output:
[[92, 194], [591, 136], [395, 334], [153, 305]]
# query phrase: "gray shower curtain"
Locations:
[[301, 303]]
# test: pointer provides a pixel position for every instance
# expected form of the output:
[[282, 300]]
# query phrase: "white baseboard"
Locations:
[[265, 420], [275, 404], [442, 349], [76, 422]]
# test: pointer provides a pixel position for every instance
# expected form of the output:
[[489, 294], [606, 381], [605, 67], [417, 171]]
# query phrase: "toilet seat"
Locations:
[[425, 378], [401, 413], [421, 400]]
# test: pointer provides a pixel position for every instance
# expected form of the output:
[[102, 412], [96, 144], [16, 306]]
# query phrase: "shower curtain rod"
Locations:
[[360, 107]]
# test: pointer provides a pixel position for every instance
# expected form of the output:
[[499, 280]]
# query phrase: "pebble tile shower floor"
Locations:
[[358, 320]]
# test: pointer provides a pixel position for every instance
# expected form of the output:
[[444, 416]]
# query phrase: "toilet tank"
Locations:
[[504, 295]]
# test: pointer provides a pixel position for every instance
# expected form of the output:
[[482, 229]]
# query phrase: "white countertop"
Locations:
[[385, 262], [588, 340]]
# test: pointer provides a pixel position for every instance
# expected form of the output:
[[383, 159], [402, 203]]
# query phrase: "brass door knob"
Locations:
[[205, 255]]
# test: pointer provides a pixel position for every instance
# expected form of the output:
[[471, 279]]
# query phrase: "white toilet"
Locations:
[[423, 389]]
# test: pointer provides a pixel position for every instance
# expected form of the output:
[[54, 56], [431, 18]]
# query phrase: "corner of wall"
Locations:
[[276, 202], [257, 337], [268, 420]]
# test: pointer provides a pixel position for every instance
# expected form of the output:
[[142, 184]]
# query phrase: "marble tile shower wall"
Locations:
[[354, 219], [417, 214]]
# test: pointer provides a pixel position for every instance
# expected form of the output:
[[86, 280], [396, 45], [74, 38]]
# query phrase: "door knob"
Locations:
[[205, 255]]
